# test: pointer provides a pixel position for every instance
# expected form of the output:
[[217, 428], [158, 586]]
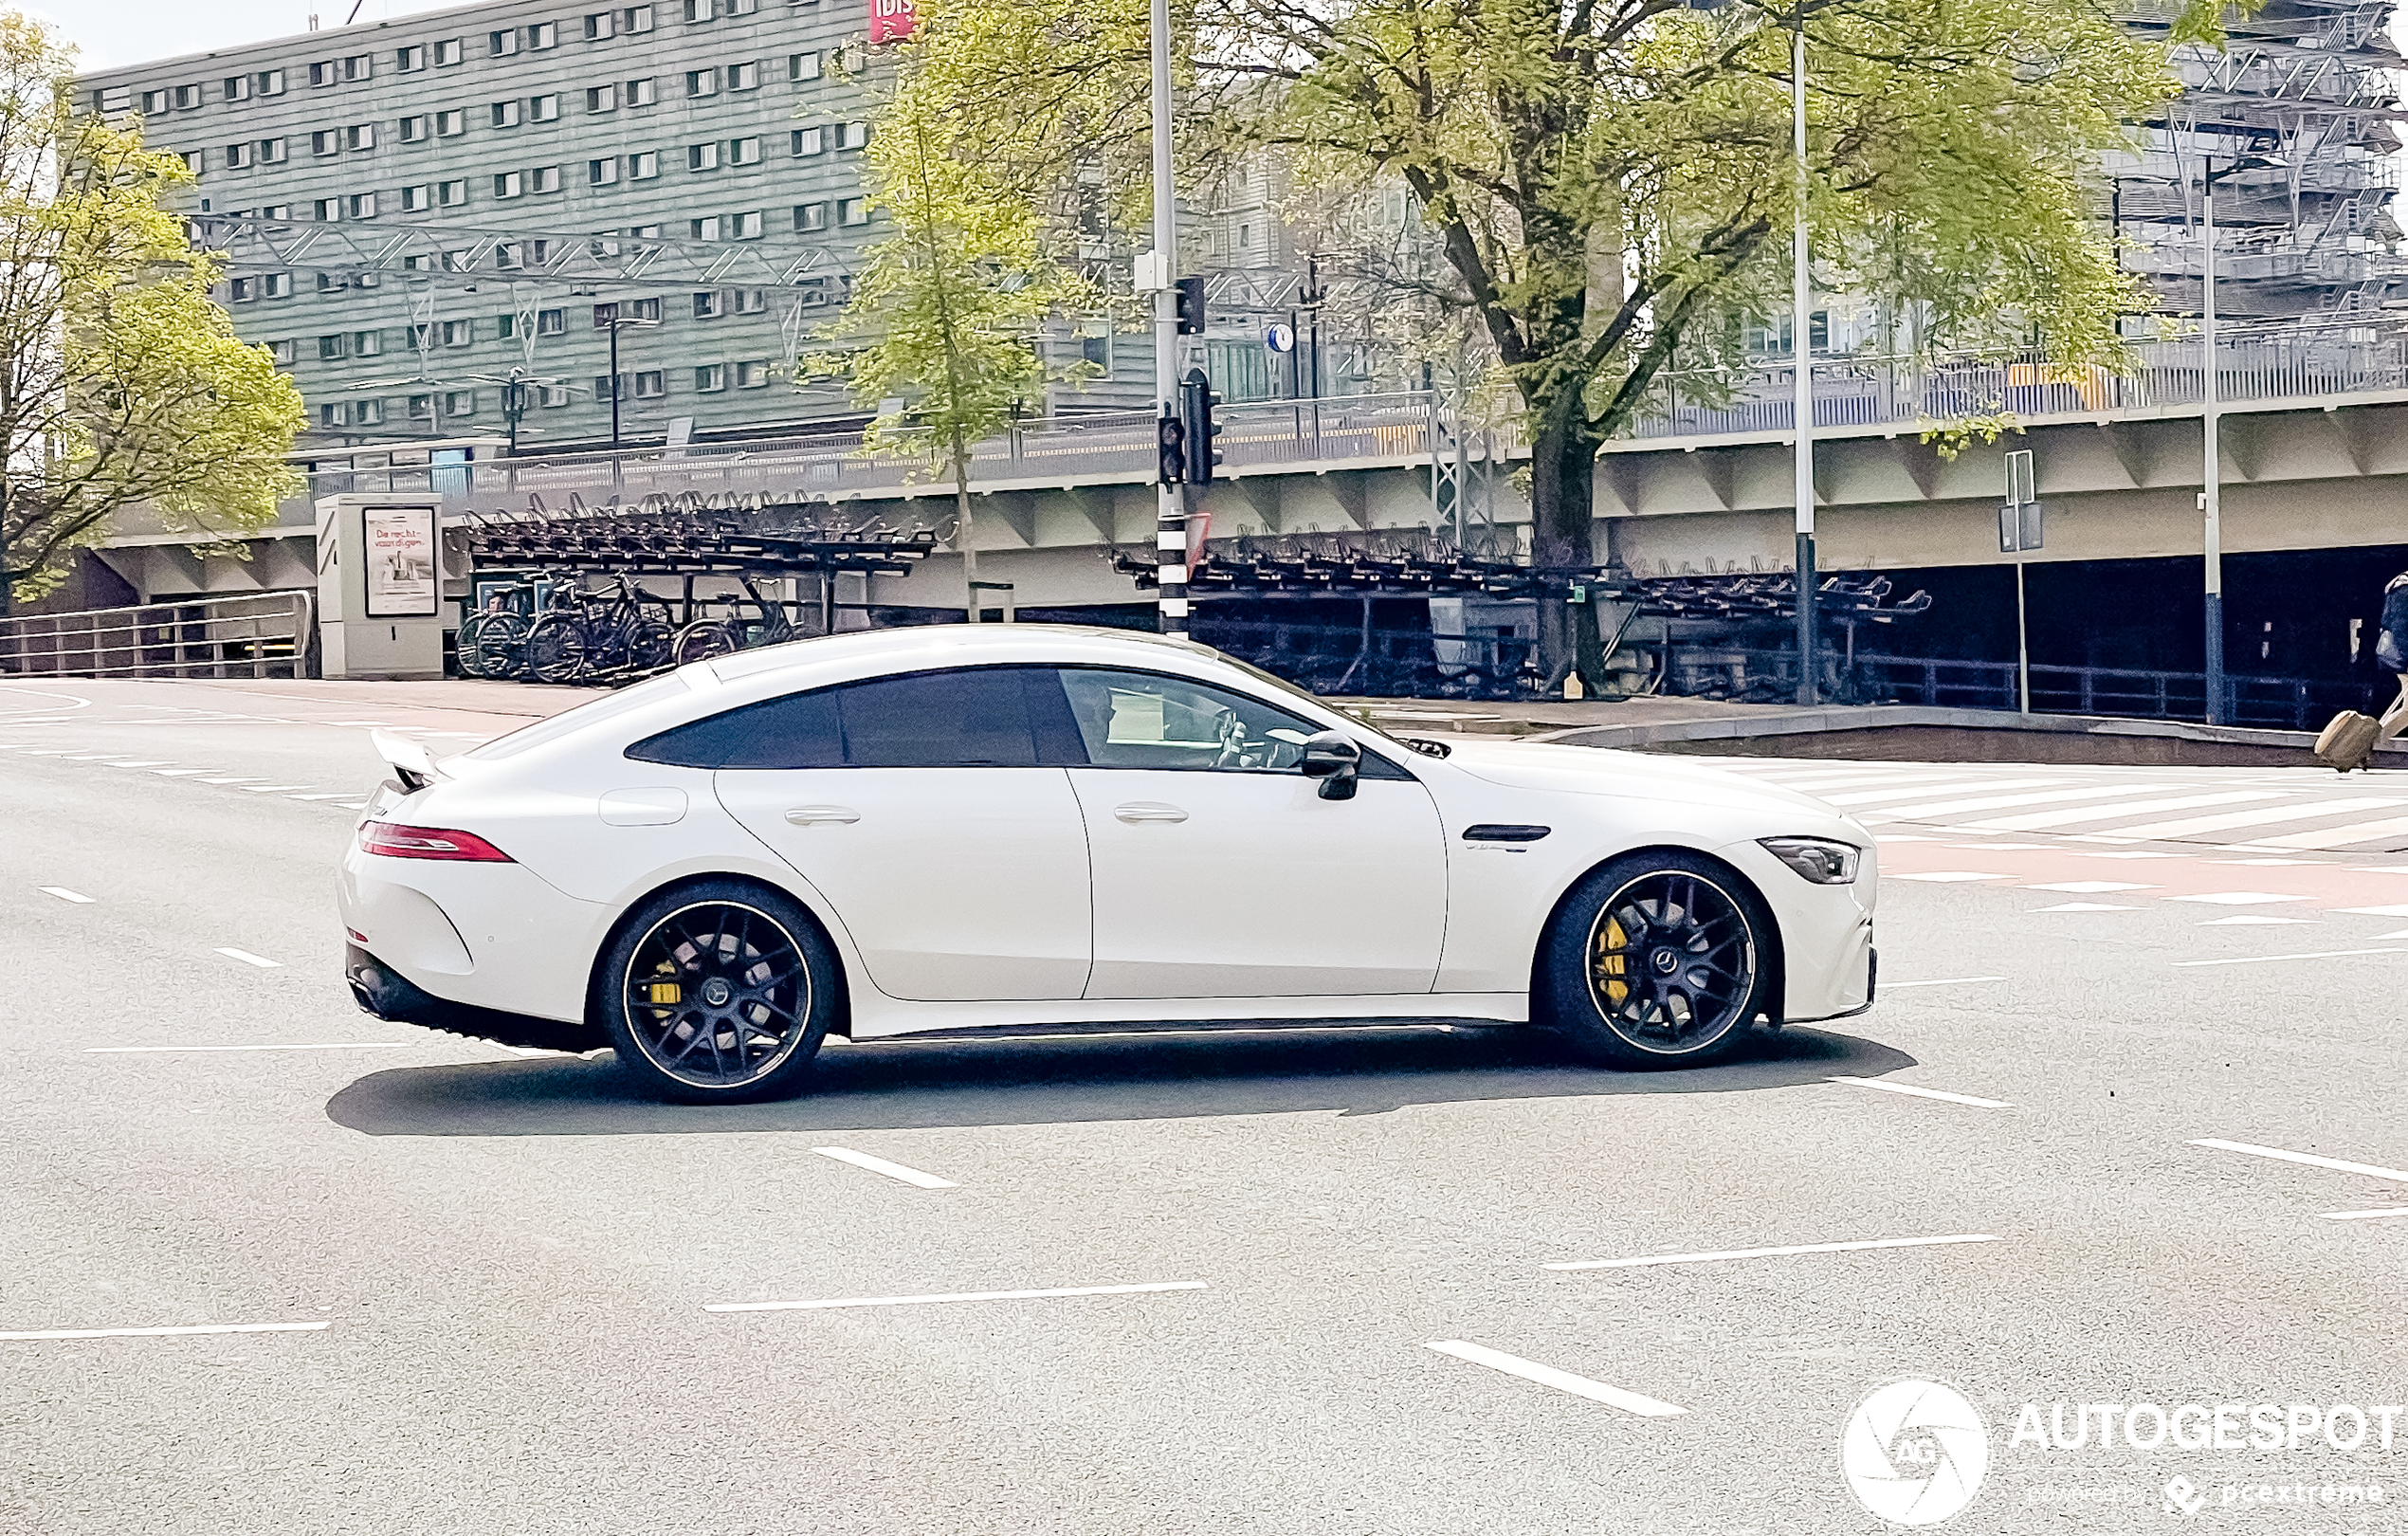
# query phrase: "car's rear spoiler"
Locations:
[[410, 760]]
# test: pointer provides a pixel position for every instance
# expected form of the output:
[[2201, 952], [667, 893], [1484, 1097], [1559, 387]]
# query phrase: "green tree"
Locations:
[[1611, 181], [944, 327], [123, 383]]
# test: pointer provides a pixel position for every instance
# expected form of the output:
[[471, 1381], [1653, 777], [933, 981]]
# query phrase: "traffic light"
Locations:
[[1196, 401], [1191, 308], [1171, 438]]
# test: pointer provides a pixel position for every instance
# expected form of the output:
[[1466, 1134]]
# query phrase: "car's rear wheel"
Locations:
[[718, 993], [1659, 959]]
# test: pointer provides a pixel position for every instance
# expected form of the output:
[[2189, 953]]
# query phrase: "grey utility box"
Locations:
[[380, 586]]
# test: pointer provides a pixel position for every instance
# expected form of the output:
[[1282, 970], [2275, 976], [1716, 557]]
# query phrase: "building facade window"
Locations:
[[745, 226], [451, 123], [602, 99], [332, 348], [507, 114], [328, 210], [544, 178], [651, 384], [325, 141], [330, 417], [450, 51], [635, 19], [751, 375], [643, 165], [551, 322], [602, 172], [360, 136], [552, 394], [702, 83], [415, 130], [810, 217], [744, 77], [188, 97], [369, 412], [748, 301], [410, 58], [705, 228], [366, 343], [459, 333], [601, 25], [808, 141], [542, 35], [544, 108], [509, 183], [852, 213], [501, 44], [239, 156], [802, 66], [451, 193], [852, 135], [459, 402], [268, 81], [642, 92], [192, 158], [327, 73], [418, 198], [607, 388], [699, 10], [153, 102], [422, 408], [362, 205], [709, 305], [272, 151], [282, 353], [745, 151], [359, 66], [709, 378], [236, 87], [702, 156]]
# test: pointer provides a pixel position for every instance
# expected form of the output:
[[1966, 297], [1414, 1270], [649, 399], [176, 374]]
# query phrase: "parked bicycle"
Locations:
[[588, 633]]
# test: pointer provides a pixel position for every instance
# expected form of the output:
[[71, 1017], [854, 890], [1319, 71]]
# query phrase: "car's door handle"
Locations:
[[1149, 811], [812, 815]]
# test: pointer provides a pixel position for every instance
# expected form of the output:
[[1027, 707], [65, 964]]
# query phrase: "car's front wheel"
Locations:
[[718, 993], [1658, 960]]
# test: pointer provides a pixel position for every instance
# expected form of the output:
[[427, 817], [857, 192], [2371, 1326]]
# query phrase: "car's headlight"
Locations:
[[1820, 859]]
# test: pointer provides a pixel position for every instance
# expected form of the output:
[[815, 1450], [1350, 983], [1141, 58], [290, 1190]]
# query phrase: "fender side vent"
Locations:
[[1488, 832]]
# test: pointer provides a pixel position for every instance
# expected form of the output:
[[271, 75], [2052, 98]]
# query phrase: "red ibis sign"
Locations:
[[891, 20]]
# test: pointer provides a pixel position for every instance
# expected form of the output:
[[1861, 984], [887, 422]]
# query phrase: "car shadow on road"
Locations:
[[896, 1085]]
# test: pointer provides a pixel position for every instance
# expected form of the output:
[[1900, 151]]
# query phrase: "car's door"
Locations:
[[916, 805], [1219, 870]]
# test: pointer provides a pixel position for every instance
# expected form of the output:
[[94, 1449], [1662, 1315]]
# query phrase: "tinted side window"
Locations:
[[972, 719], [799, 731], [1140, 719], [978, 717]]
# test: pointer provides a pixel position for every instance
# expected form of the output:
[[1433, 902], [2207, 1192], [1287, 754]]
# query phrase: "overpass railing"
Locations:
[[1271, 436], [259, 634]]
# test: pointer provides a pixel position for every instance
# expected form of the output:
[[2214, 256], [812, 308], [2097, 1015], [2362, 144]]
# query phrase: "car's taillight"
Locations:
[[395, 841]]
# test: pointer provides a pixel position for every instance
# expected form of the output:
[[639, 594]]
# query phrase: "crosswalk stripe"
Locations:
[[2363, 831], [2041, 820], [1869, 797], [2301, 810], [2001, 802]]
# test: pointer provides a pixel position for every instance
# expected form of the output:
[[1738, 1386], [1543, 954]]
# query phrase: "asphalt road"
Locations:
[[479, 1284]]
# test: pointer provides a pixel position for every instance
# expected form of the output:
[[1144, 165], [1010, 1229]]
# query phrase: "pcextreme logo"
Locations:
[[1914, 1452]]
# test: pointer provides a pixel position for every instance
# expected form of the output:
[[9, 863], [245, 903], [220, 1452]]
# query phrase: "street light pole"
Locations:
[[614, 385], [2210, 508], [1802, 353], [1170, 536]]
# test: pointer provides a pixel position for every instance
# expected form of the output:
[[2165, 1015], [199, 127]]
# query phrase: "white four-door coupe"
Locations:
[[1031, 824]]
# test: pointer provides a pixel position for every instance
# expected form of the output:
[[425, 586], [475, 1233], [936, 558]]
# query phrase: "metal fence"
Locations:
[[262, 635]]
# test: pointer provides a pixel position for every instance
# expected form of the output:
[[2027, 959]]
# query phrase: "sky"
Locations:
[[112, 33]]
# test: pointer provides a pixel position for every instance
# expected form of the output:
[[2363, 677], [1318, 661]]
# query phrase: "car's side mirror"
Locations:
[[1333, 758]]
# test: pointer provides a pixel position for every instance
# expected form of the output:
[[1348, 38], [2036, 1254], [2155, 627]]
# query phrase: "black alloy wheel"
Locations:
[[1660, 960], [719, 994]]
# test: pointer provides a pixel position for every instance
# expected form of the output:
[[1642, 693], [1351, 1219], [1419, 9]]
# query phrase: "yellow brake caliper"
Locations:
[[1610, 961]]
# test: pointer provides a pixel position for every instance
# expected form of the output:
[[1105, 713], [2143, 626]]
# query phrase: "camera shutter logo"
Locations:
[[1914, 1453]]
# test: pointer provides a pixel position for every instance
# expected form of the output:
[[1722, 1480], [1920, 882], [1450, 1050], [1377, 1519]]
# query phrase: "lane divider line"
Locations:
[[1579, 1386], [1888, 1086], [2366, 1216], [319, 1044], [63, 894], [2313, 954], [250, 958], [2308, 1158], [1769, 1253], [880, 1165], [162, 1333], [1945, 981], [951, 1296]]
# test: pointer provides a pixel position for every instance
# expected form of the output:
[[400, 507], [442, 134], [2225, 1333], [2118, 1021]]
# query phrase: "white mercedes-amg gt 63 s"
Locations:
[[1038, 825]]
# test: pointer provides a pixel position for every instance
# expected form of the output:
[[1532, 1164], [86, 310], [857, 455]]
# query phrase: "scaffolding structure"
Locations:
[[2293, 121]]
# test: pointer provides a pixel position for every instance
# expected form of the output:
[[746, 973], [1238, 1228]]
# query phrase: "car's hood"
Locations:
[[1576, 770]]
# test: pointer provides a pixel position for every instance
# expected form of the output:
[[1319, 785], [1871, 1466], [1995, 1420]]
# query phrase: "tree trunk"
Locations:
[[961, 515], [1563, 506]]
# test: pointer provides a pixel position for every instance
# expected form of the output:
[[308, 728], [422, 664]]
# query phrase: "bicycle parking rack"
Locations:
[[566, 632]]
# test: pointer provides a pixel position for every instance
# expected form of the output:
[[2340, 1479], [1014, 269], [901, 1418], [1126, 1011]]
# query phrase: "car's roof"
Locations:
[[941, 645]]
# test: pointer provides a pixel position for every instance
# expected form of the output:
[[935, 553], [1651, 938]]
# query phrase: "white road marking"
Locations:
[[2248, 920], [1942, 981], [2001, 802], [1768, 1253], [1949, 876], [2313, 954], [2090, 888], [1998, 847], [267, 789], [63, 893], [181, 772], [2160, 830], [2258, 863], [1869, 797], [2378, 911], [2041, 819], [377, 723], [94, 757], [952, 1296], [1923, 1092], [2397, 933], [2122, 853], [239, 780], [335, 794], [324, 1045], [2363, 831], [142, 762], [2308, 1158], [1579, 1386], [2086, 907], [353, 805], [2239, 898], [2366, 1216], [161, 1333], [892, 1170], [250, 958]]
